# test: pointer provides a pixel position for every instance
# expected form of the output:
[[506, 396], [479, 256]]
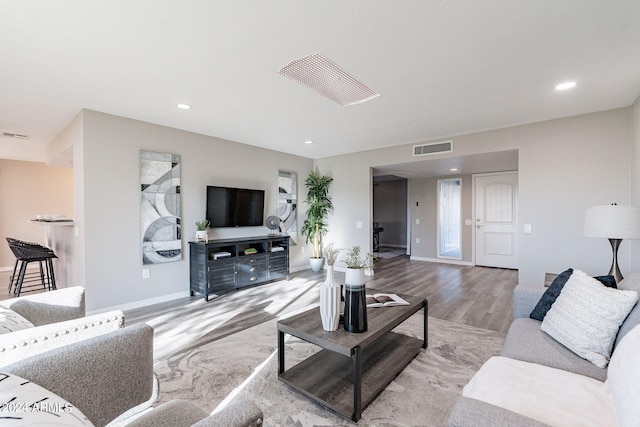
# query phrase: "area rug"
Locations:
[[423, 394]]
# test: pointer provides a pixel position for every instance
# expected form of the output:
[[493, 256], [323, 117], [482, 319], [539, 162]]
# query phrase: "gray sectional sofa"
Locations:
[[525, 341]]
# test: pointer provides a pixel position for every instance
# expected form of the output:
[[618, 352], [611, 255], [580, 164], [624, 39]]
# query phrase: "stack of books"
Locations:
[[221, 254]]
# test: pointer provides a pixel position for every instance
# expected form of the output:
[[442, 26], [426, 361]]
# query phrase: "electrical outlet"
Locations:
[[417, 240], [358, 224], [302, 249], [417, 221], [145, 273]]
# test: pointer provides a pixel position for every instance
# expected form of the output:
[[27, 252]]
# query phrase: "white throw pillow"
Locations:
[[11, 321], [27, 404], [586, 317]]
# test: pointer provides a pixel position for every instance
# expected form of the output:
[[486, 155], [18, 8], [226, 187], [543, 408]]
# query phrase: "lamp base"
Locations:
[[615, 269]]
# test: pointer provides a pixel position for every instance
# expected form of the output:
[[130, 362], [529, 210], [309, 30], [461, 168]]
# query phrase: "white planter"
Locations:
[[330, 302], [202, 236], [354, 276], [316, 264]]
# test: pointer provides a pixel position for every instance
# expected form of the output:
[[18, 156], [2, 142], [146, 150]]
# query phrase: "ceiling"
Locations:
[[501, 161], [442, 68]]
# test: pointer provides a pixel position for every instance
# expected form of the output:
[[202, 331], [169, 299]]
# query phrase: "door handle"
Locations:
[[479, 227]]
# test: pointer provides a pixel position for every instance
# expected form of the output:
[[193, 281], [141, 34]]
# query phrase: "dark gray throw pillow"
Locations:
[[552, 292], [608, 281], [549, 297]]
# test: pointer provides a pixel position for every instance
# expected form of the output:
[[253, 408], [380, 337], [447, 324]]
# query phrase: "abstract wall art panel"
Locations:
[[160, 207], [288, 204]]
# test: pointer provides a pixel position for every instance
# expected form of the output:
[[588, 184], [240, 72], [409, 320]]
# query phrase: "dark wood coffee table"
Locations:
[[352, 369]]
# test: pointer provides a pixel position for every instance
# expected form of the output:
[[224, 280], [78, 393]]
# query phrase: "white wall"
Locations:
[[110, 222], [635, 171], [565, 166]]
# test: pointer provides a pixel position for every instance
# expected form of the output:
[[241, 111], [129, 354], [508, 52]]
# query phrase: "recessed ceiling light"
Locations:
[[184, 106], [308, 141], [565, 85], [454, 169]]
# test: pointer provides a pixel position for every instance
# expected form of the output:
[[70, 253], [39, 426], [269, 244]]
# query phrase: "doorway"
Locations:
[[389, 216], [496, 219], [449, 201]]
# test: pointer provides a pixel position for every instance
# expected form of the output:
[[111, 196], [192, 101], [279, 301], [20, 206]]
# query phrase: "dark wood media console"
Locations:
[[222, 265]]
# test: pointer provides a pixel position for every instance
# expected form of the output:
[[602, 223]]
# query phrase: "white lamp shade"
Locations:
[[612, 222]]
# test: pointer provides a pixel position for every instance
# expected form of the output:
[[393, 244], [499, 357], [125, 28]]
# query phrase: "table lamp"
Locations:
[[613, 222]]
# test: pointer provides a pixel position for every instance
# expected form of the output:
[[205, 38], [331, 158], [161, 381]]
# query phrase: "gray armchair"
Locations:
[[59, 318], [110, 377]]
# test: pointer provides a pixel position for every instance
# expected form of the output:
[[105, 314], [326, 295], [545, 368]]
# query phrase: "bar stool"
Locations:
[[26, 252]]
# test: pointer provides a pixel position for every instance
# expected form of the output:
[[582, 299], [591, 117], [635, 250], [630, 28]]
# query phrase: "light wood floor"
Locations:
[[4, 285], [477, 296]]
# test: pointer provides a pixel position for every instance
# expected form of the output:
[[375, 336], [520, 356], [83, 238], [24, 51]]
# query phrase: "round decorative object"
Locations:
[[272, 223]]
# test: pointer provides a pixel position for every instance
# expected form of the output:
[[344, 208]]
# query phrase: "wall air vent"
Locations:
[[14, 135], [325, 77], [433, 148]]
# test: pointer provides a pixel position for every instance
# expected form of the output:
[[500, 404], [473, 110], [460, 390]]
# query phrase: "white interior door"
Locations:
[[496, 225]]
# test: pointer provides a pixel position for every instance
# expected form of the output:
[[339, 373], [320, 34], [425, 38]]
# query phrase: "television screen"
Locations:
[[234, 207]]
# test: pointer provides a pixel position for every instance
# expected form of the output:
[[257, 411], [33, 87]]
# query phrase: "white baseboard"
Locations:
[[296, 269], [442, 261], [157, 300], [141, 303]]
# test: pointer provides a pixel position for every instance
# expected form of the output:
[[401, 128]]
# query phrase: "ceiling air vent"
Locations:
[[325, 77], [14, 135], [433, 148]]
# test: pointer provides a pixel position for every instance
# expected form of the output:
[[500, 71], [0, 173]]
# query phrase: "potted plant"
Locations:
[[356, 265], [201, 230], [319, 205]]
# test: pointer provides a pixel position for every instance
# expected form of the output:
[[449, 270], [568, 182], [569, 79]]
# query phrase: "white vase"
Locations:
[[330, 302]]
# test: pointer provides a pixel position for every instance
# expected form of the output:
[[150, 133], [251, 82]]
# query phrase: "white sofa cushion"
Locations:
[[27, 404], [586, 317], [624, 379], [11, 321], [548, 395]]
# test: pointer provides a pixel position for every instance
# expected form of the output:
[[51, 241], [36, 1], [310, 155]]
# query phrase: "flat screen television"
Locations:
[[234, 207]]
